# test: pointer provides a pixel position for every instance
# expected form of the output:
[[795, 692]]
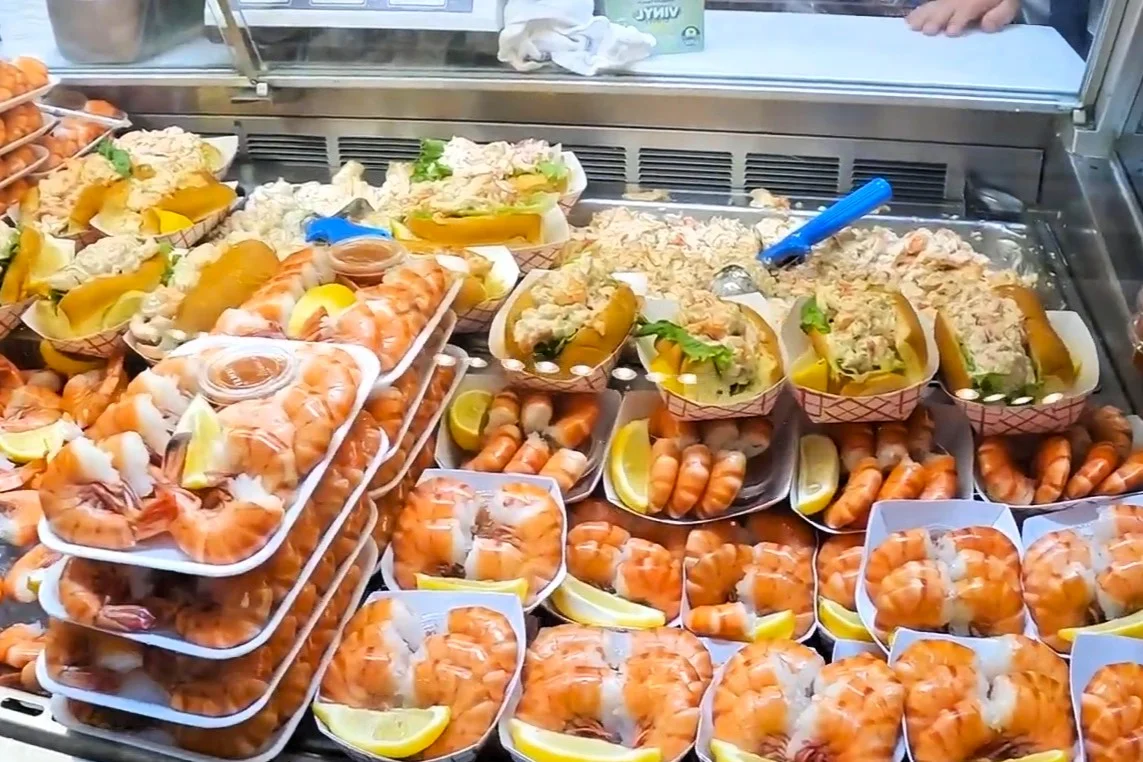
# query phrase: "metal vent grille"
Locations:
[[376, 152], [602, 164], [302, 150], [911, 180], [792, 175], [705, 171]]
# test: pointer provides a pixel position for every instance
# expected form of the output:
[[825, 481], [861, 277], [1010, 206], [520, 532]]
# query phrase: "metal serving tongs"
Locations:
[[733, 280], [340, 226]]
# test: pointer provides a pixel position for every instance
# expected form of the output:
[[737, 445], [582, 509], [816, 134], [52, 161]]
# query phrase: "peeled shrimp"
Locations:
[[230, 523], [576, 422], [1059, 585], [1112, 725], [663, 425], [22, 580], [567, 467], [501, 445], [1102, 459], [1053, 464], [20, 646], [905, 482], [535, 412], [726, 477], [892, 444], [855, 441], [530, 458], [719, 435], [105, 595], [694, 473], [922, 431], [665, 458], [1003, 480], [839, 562], [607, 556], [940, 477], [1127, 478], [504, 411], [89, 659], [852, 507], [1108, 424], [20, 513], [87, 395], [754, 436]]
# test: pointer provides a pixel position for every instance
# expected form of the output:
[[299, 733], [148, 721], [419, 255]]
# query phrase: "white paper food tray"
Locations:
[[777, 462], [1028, 510], [227, 145], [577, 181], [891, 516], [162, 552], [487, 483], [415, 349], [49, 122], [432, 608], [987, 649], [149, 701], [1089, 655], [170, 641], [187, 237], [31, 95], [555, 232], [41, 159], [449, 455], [835, 408], [159, 742], [103, 343], [952, 435], [506, 271]]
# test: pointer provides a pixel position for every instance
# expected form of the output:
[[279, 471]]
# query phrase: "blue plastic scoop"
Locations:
[[339, 227], [795, 246]]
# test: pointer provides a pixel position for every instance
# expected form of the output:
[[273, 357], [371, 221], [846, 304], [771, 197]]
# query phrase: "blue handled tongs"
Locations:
[[794, 247], [337, 228]]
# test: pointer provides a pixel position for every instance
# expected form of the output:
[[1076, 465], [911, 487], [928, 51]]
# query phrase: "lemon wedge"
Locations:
[[589, 605], [517, 587], [727, 752], [201, 423], [777, 626], [472, 292], [395, 733], [65, 364], [50, 322], [124, 309], [842, 623], [1043, 756], [541, 745], [466, 418], [818, 472], [172, 222], [811, 372], [34, 444], [334, 298], [53, 255], [629, 464], [1130, 626]]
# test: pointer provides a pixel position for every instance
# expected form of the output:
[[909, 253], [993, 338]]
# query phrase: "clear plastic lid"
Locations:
[[242, 373], [365, 259]]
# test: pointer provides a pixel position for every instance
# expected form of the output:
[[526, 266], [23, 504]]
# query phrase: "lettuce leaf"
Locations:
[[555, 171], [119, 159], [428, 165], [813, 318], [694, 349]]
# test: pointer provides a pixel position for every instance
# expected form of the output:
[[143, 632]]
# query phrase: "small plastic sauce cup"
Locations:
[[364, 260], [243, 373]]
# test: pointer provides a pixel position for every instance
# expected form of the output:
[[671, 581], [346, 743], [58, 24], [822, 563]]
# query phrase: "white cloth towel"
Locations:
[[565, 32]]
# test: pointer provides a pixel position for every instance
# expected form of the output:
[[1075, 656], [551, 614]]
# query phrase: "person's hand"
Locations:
[[953, 17]]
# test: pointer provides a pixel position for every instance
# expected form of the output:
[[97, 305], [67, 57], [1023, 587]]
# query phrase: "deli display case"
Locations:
[[1018, 152]]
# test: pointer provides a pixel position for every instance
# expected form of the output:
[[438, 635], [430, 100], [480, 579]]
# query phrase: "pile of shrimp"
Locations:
[[965, 581], [839, 565], [636, 689], [20, 646], [30, 399], [1094, 457], [267, 311], [387, 318], [248, 738], [779, 700], [386, 661], [1085, 575], [22, 580], [440, 382], [392, 405], [447, 528], [1007, 703], [735, 574], [102, 489], [390, 503], [896, 460], [700, 467], [525, 435], [1110, 716], [640, 562]]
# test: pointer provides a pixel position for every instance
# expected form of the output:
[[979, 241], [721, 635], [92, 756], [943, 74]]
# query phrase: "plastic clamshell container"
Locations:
[[149, 740], [49, 123], [161, 552], [482, 482], [449, 455], [31, 95], [777, 463], [426, 368], [432, 609], [162, 712]]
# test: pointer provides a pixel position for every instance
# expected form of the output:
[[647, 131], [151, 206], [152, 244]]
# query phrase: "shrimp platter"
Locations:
[[636, 690], [1082, 570], [457, 527], [422, 650], [1107, 682], [991, 699], [244, 430], [955, 569], [753, 582], [780, 701], [1098, 456], [563, 436], [928, 456], [839, 568]]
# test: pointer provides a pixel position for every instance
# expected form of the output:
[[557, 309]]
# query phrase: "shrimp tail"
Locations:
[[940, 478], [581, 412], [530, 458], [856, 500], [728, 621], [502, 444], [1127, 478], [1053, 464], [1102, 459], [905, 482], [1003, 480], [567, 467]]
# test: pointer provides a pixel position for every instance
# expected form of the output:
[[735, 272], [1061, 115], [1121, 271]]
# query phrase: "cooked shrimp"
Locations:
[[498, 450], [663, 425], [88, 659], [30, 407], [638, 570], [839, 563], [1102, 459], [227, 611], [1003, 480], [535, 412], [892, 444], [713, 575], [1059, 585], [22, 580], [905, 482], [1127, 478], [694, 473], [531, 457], [87, 395], [984, 568], [754, 435], [576, 422], [567, 467], [138, 413], [665, 457], [1112, 725], [20, 644], [852, 507], [1052, 465], [110, 597], [214, 688], [504, 411], [940, 477], [13, 477], [855, 441], [726, 477], [20, 513], [896, 550], [1109, 424], [232, 522], [1119, 584]]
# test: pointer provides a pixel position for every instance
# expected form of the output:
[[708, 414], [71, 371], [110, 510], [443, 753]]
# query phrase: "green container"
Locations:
[[676, 25]]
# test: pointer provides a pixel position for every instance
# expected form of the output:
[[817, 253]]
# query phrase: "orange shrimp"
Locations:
[[504, 411], [531, 457], [638, 570], [226, 611], [1052, 465], [915, 595], [892, 444], [725, 481], [535, 412], [575, 424], [1102, 459], [232, 522], [567, 467], [665, 457], [940, 477], [87, 395], [103, 595], [1108, 424], [839, 563], [922, 432], [1113, 732], [694, 473], [502, 444], [663, 425], [1127, 478], [856, 441], [22, 581], [20, 513], [1059, 585], [89, 659], [896, 550], [17, 477], [1003, 480], [905, 482], [852, 507]]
